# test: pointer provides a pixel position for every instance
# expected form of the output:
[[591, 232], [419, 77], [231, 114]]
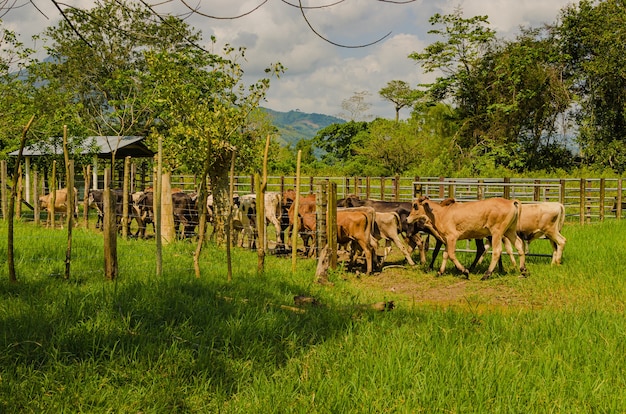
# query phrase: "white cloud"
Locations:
[[319, 75]]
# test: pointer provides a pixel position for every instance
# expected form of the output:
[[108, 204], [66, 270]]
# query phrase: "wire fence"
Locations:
[[586, 200]]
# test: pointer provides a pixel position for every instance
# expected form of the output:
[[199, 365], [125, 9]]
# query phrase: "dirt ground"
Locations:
[[410, 286]]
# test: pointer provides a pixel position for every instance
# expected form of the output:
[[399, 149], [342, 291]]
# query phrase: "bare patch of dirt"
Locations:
[[413, 286]]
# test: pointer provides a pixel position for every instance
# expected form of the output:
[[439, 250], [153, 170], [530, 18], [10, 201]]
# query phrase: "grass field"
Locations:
[[553, 342]]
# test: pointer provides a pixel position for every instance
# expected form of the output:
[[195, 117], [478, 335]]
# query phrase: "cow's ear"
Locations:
[[426, 205], [447, 202]]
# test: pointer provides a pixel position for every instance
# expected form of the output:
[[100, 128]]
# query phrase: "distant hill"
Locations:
[[294, 126]]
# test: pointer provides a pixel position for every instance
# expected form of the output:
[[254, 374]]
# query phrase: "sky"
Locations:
[[320, 75]]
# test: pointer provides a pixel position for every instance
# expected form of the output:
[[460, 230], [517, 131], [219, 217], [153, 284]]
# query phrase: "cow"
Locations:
[[185, 213], [244, 222], [306, 217], [143, 202], [96, 200], [541, 219], [387, 226], [355, 227], [450, 221], [60, 202], [273, 213], [411, 231]]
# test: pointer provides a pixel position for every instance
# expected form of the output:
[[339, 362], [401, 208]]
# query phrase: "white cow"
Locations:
[[246, 214]]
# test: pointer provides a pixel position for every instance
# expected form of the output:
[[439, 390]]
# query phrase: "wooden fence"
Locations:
[[586, 200]]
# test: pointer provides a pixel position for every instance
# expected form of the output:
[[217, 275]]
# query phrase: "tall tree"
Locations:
[[339, 141], [455, 58], [592, 37], [400, 94], [356, 108], [16, 103], [206, 110]]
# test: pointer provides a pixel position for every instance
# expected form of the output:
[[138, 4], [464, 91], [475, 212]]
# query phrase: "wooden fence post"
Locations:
[[296, 222], [109, 228], [321, 200], [125, 222], [602, 195], [87, 176], [537, 190], [480, 190], [619, 199], [36, 212], [506, 193], [53, 197], [396, 188], [332, 224], [582, 201], [562, 195], [441, 187], [3, 190]]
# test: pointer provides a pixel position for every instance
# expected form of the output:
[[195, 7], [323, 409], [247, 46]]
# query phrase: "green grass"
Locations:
[[181, 344]]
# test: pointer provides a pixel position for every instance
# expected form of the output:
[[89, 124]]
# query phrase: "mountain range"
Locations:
[[294, 126]]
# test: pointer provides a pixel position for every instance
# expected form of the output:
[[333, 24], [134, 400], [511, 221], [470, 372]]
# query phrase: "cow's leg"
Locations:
[[277, 229], [496, 251], [451, 253], [369, 255], [438, 245], [480, 253], [558, 245], [402, 247], [519, 246]]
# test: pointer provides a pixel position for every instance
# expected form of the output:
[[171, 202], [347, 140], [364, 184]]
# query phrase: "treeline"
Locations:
[[550, 101]]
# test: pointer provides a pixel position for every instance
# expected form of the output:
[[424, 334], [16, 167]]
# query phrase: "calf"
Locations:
[[542, 219], [451, 221], [96, 200], [60, 202], [354, 227], [273, 213], [387, 226], [411, 231]]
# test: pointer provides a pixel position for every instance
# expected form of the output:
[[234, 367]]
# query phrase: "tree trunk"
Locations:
[[222, 204], [168, 232]]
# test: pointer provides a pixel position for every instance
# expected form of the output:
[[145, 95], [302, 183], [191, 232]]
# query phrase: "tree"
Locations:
[[392, 147], [400, 94], [465, 42], [16, 103], [356, 108], [207, 111], [339, 141], [507, 96], [590, 37]]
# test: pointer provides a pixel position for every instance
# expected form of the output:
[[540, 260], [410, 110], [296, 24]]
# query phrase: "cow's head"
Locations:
[[419, 210], [43, 202]]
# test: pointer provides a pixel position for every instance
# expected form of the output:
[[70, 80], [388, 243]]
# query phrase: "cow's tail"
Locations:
[[561, 219], [518, 211]]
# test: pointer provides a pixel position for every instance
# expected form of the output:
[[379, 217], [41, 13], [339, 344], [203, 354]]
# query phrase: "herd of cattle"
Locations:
[[363, 223]]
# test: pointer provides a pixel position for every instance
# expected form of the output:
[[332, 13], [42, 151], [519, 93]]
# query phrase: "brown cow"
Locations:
[[354, 227], [60, 202], [306, 217], [451, 221], [542, 219], [410, 232], [387, 226]]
